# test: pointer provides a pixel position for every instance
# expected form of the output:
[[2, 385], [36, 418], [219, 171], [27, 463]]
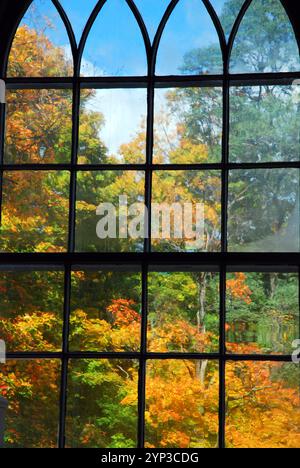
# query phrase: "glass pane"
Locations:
[[189, 44], [182, 399], [265, 41], [264, 210], [262, 312], [41, 45], [264, 124], [110, 216], [35, 210], [152, 16], [188, 125], [186, 210], [227, 11], [113, 126], [38, 126], [183, 312], [102, 404], [106, 310], [115, 45], [31, 309], [32, 390], [263, 405], [78, 13]]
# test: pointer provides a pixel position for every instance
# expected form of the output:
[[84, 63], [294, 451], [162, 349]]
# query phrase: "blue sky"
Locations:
[[115, 45]]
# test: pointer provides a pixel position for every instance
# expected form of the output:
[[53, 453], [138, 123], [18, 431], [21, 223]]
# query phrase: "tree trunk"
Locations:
[[202, 286], [273, 284]]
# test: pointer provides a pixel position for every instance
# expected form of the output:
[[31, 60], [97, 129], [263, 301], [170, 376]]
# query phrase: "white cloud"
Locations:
[[124, 110]]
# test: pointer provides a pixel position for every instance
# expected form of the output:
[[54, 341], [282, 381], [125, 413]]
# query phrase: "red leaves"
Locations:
[[122, 312]]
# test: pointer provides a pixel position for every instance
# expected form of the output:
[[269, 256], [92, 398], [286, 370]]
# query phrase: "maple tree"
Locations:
[[182, 396], [182, 408]]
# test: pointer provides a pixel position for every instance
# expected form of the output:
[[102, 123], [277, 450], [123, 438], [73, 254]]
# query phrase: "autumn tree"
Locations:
[[182, 396]]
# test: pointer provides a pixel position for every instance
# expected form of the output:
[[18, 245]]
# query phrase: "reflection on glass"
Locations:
[[186, 209], [41, 45], [264, 210], [188, 125], [35, 211], [263, 405], [31, 309], [262, 312], [264, 124], [182, 404], [152, 16], [189, 44], [227, 10], [115, 45], [113, 126], [105, 199], [183, 313], [106, 311], [32, 390], [38, 126], [265, 41], [102, 404], [78, 13]]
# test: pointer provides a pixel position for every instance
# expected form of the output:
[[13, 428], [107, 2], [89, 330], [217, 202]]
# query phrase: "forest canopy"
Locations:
[[182, 395]]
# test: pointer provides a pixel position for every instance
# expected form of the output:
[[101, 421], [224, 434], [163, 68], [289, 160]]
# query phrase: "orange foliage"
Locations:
[[122, 312], [238, 288], [182, 395]]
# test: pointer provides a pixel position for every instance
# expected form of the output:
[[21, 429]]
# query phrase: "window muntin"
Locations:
[[227, 13], [78, 16], [221, 361], [152, 16]]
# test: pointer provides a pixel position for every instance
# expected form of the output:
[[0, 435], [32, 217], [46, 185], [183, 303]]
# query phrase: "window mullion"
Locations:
[[65, 358], [142, 362], [2, 131], [222, 361]]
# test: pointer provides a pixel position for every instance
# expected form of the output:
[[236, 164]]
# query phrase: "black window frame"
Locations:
[[222, 261]]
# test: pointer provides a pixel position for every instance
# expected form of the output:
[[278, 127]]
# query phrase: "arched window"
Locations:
[[149, 239]]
